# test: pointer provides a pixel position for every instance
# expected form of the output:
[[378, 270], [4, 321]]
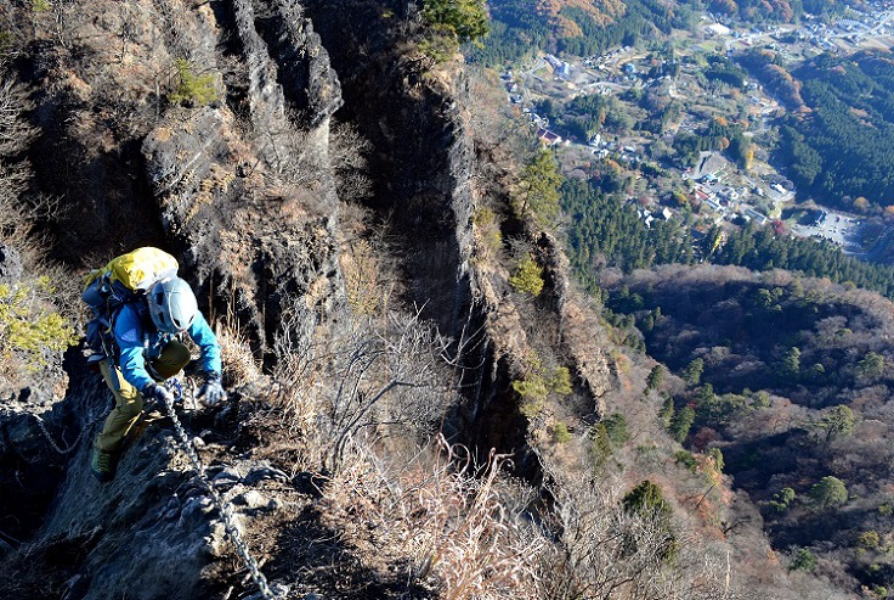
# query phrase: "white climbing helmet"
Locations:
[[172, 305]]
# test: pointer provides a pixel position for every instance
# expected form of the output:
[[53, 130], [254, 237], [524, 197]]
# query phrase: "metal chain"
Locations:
[[84, 430], [43, 428], [222, 506]]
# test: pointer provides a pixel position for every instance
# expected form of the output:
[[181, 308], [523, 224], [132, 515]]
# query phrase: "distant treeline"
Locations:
[[521, 27], [607, 232], [761, 249], [758, 10]]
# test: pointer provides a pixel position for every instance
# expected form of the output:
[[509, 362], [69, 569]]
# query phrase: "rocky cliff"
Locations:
[[241, 187], [429, 184]]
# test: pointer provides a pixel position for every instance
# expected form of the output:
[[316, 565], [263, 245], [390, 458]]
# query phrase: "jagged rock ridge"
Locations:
[[242, 191], [253, 226]]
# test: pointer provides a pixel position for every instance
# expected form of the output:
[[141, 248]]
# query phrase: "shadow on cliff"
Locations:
[[421, 160], [421, 164]]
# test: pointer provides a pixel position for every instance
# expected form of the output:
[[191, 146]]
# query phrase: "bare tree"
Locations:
[[454, 526], [607, 551], [15, 135], [393, 372], [347, 156]]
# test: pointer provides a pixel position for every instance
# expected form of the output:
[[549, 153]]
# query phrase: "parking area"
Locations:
[[839, 228]]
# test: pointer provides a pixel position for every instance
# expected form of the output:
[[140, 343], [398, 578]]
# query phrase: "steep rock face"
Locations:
[[303, 69], [422, 163], [151, 508], [29, 468], [239, 190], [426, 175], [424, 167], [153, 532], [242, 187], [249, 221], [563, 323], [581, 333]]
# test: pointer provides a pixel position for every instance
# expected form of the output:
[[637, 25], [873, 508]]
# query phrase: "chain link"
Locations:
[[42, 425], [222, 506], [57, 447]]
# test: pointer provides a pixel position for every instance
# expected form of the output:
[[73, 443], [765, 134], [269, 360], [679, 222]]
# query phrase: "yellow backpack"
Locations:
[[123, 280], [136, 271]]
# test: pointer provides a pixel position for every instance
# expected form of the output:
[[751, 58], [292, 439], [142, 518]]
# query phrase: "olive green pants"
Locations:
[[128, 401]]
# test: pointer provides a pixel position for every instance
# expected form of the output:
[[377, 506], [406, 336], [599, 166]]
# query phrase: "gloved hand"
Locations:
[[212, 393], [157, 393]]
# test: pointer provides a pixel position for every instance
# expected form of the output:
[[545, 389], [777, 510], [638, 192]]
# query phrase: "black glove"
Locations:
[[212, 393], [157, 393]]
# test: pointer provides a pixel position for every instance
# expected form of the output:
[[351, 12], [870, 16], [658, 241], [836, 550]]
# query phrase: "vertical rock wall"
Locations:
[[240, 190]]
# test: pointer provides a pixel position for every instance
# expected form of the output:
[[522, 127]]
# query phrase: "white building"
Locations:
[[717, 29]]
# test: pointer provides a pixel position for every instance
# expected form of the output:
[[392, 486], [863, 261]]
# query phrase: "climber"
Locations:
[[143, 335]]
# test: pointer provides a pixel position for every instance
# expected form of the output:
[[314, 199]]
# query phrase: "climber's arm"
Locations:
[[204, 337]]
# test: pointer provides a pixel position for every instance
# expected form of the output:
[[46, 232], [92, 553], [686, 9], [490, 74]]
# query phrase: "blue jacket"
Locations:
[[134, 348]]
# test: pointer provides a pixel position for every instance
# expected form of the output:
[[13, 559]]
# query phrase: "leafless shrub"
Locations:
[[68, 288], [347, 155], [447, 521], [16, 216], [11, 36], [467, 533], [496, 129], [15, 132], [20, 210], [298, 157], [281, 150], [608, 552], [393, 372]]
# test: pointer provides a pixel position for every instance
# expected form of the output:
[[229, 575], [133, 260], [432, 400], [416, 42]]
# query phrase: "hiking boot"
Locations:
[[103, 465]]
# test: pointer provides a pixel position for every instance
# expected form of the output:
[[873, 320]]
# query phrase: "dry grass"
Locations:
[[446, 521], [239, 362], [373, 282], [488, 238], [468, 533], [367, 285]]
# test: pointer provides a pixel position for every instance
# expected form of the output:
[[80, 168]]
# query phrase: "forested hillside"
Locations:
[[754, 10], [604, 231], [762, 249], [521, 27], [789, 379], [840, 151], [584, 27], [767, 66]]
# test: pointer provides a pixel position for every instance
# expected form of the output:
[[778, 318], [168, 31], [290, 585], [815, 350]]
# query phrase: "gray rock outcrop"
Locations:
[[10, 263]]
